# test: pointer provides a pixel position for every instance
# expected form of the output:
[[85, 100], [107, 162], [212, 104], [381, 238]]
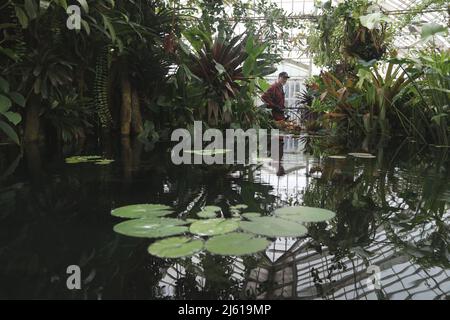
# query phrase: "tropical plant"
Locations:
[[348, 32], [380, 91], [119, 52], [428, 96], [8, 117], [71, 117], [229, 68]]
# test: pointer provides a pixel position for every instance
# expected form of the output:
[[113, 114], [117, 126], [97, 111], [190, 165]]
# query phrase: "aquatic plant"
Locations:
[[243, 234]]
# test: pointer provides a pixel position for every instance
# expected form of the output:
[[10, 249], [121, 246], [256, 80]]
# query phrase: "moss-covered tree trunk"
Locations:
[[32, 121], [125, 114], [136, 117]]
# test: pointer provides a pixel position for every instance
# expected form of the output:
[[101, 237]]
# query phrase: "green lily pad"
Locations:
[[273, 227], [236, 244], [87, 159], [212, 209], [206, 214], [213, 227], [362, 155], [176, 247], [151, 228], [104, 162], [304, 214], [251, 215], [81, 159], [142, 211], [75, 161], [338, 157], [209, 212]]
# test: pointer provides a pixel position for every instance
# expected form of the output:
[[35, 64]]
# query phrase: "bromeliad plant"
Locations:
[[229, 68], [380, 91]]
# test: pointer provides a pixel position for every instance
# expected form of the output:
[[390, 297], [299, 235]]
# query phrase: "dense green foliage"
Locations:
[[114, 73], [365, 89], [142, 68]]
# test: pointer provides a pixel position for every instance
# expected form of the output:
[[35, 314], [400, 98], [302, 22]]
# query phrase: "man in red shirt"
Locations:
[[274, 97]]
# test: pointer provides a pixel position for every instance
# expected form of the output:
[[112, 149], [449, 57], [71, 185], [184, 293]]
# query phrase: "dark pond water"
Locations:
[[393, 216]]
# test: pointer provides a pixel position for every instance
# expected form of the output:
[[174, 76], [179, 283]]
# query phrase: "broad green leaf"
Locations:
[[151, 228], [5, 104], [273, 227], [236, 244], [17, 98], [263, 84], [4, 85], [142, 211], [432, 29], [304, 214], [176, 247], [13, 117], [373, 20], [9, 131], [213, 227]]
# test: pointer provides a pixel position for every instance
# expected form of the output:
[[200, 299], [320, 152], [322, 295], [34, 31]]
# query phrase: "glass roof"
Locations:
[[304, 11], [407, 37]]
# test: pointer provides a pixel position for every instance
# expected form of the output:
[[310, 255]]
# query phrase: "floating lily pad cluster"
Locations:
[[89, 159], [246, 234]]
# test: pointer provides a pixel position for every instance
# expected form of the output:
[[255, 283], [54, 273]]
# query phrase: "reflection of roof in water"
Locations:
[[400, 278], [292, 269], [289, 265]]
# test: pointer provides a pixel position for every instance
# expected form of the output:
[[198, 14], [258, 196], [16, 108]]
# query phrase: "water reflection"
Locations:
[[392, 212]]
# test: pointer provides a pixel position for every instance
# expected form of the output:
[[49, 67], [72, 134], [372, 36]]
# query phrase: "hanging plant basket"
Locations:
[[365, 44]]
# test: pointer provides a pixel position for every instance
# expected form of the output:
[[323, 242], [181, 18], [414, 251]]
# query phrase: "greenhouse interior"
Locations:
[[225, 150]]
